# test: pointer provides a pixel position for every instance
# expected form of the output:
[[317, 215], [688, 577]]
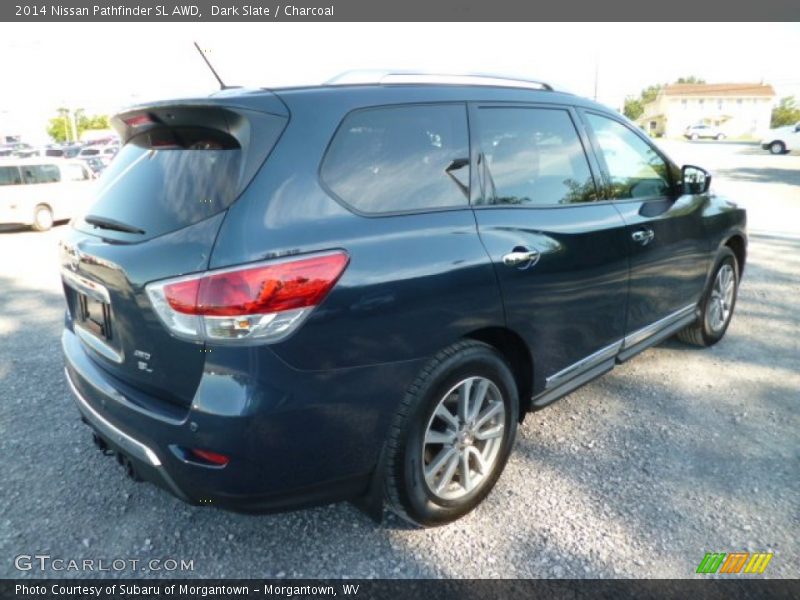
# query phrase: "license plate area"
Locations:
[[95, 316]]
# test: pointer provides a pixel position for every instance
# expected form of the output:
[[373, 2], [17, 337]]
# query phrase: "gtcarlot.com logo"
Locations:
[[46, 562], [735, 562]]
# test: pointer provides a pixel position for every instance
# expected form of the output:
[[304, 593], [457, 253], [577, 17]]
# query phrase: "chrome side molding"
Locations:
[[645, 332], [585, 364]]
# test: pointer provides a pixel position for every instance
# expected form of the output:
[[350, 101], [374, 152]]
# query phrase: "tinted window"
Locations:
[[165, 180], [634, 168], [400, 158], [40, 173], [531, 156], [10, 176]]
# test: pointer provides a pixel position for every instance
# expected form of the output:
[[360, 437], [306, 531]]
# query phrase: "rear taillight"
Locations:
[[261, 303]]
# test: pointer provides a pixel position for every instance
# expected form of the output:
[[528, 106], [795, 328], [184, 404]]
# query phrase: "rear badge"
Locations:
[[142, 364]]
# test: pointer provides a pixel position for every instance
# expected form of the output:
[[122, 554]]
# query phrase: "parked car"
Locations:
[[781, 140], [358, 291], [40, 191], [96, 164], [696, 132], [23, 150], [97, 150]]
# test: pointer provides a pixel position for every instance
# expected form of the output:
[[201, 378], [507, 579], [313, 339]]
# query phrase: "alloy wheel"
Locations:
[[463, 438], [720, 303]]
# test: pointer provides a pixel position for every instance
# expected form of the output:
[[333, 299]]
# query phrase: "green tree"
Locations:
[[649, 93], [690, 79], [633, 108], [786, 113], [60, 127], [93, 122]]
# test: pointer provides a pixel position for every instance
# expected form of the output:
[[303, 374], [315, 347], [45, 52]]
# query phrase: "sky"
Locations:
[[102, 67]]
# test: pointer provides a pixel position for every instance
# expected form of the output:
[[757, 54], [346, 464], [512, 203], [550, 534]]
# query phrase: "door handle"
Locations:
[[521, 258], [643, 236]]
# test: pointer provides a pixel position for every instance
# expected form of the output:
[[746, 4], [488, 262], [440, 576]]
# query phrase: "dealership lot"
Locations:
[[677, 453]]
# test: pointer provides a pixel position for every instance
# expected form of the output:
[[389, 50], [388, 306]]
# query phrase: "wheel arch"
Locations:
[[516, 352], [738, 245]]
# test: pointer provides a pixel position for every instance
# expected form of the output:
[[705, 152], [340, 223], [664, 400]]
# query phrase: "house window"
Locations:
[[738, 101], [701, 102], [719, 104], [684, 103]]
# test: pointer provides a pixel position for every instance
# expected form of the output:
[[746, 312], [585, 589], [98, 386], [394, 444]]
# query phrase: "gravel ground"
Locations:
[[677, 453]]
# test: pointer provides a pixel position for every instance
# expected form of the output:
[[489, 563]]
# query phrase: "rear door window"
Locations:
[[10, 176], [531, 157], [41, 173], [400, 159]]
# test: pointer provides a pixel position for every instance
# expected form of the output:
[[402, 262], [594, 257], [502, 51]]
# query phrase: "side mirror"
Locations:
[[797, 128], [695, 179]]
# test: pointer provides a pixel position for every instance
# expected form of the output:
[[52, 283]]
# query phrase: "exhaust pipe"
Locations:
[[127, 464], [101, 444]]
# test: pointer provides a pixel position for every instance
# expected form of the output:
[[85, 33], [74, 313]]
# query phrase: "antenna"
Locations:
[[222, 85]]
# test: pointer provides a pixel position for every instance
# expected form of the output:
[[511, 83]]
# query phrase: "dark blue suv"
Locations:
[[358, 290]]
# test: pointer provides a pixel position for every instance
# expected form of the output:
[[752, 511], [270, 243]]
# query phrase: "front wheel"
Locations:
[[42, 218], [694, 137], [720, 136], [777, 148], [452, 435], [717, 304]]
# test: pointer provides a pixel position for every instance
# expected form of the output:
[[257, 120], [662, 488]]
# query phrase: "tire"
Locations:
[[413, 443], [720, 136], [708, 329], [42, 218], [694, 137], [777, 148]]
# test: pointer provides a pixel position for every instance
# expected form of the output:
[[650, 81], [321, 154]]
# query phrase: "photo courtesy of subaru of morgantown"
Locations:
[[358, 290]]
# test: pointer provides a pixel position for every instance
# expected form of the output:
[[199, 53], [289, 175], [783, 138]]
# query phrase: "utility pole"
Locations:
[[596, 72], [74, 122], [64, 112]]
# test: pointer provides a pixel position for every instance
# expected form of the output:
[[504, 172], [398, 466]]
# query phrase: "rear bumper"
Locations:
[[304, 439], [148, 464]]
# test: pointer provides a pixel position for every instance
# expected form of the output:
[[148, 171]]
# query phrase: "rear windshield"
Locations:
[[165, 180]]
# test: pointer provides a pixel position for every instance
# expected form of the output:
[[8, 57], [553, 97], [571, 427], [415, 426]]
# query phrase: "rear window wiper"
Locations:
[[106, 223]]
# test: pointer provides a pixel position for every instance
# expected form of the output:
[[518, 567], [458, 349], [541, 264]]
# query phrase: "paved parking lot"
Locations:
[[677, 453]]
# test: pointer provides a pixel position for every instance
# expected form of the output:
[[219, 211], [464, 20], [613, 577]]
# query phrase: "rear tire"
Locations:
[[717, 304], [720, 136], [452, 435], [42, 218], [777, 148]]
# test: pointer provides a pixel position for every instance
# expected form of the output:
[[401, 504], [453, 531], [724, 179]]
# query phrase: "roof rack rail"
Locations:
[[411, 77]]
